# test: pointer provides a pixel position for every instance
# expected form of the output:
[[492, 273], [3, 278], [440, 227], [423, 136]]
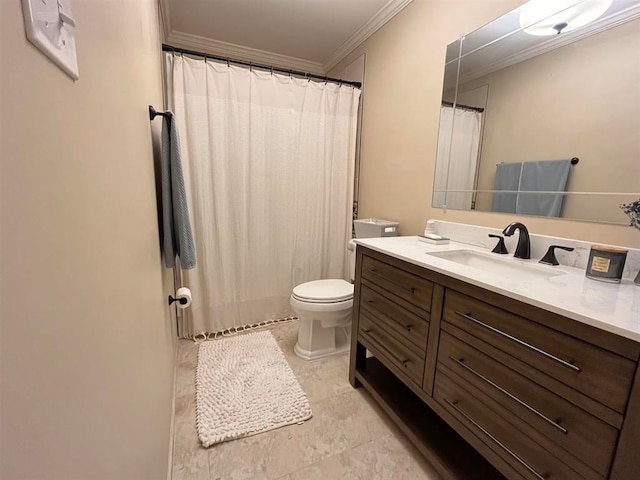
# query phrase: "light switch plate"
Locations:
[[50, 27]]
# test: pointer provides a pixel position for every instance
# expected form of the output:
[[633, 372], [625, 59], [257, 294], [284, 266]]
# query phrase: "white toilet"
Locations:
[[324, 311]]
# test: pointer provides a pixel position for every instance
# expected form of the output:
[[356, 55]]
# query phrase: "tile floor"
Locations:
[[348, 437]]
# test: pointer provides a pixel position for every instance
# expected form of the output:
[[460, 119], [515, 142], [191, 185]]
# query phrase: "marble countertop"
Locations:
[[611, 307]]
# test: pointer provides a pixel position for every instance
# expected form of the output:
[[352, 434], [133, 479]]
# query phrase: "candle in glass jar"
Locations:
[[606, 263]]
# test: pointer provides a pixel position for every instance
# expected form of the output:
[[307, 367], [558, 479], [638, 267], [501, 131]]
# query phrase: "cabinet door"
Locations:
[[597, 373], [562, 428], [505, 435]]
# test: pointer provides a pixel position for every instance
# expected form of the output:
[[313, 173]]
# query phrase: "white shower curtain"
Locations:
[[456, 171], [269, 162]]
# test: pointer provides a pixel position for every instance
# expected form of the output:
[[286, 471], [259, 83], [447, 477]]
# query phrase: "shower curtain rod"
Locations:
[[464, 107], [169, 48]]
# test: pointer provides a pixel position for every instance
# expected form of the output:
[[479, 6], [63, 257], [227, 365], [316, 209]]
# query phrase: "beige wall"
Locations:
[[87, 350], [577, 101], [405, 64]]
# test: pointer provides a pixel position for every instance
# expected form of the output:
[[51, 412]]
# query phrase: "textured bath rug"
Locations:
[[245, 386]]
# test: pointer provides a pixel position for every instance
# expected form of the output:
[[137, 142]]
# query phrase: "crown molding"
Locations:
[[208, 45], [386, 13], [216, 47], [620, 18], [225, 49]]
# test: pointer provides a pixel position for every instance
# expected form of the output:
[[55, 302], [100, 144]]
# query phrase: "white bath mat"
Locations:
[[245, 386]]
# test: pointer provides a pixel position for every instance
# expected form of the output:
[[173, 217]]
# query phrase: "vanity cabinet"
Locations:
[[490, 387], [394, 316]]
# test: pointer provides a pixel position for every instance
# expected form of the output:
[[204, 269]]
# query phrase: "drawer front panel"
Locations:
[[410, 287], [391, 350], [563, 424], [503, 434], [400, 320], [599, 374]]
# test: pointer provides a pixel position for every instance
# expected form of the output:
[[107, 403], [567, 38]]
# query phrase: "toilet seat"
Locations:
[[323, 291]]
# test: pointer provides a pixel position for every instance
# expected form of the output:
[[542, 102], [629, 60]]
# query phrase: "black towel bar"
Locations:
[[574, 161], [153, 113]]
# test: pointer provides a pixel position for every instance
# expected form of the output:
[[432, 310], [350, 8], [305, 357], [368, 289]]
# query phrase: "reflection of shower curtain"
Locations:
[[459, 172], [269, 163]]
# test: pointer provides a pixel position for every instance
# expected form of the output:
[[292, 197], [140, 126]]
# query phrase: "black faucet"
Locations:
[[523, 250]]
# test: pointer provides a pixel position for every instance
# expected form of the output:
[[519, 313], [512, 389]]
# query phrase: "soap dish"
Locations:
[[434, 239]]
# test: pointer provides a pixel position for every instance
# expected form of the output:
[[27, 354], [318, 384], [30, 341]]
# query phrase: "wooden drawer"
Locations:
[[597, 373], [398, 319], [393, 353], [505, 434], [559, 422], [406, 285]]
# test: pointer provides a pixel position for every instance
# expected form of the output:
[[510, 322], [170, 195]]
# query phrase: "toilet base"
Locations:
[[325, 342]]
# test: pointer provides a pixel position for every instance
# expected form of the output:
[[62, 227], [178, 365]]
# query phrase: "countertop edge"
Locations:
[[632, 334]]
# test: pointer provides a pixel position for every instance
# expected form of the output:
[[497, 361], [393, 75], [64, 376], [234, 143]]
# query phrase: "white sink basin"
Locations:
[[509, 267]]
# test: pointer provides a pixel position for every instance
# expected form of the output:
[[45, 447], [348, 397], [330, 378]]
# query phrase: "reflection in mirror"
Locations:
[[526, 105]]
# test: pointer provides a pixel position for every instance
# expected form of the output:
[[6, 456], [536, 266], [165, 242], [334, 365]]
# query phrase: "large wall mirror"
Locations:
[[541, 113]]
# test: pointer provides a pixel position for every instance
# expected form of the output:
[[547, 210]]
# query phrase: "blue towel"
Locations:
[[507, 178], [177, 235], [543, 176]]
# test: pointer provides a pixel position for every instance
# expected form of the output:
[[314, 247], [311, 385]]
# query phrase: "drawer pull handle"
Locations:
[[517, 340], [408, 327], [366, 330], [509, 394], [403, 361], [413, 290], [483, 430]]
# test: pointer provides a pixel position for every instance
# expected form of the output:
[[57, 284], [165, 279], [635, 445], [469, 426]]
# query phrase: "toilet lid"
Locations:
[[324, 291]]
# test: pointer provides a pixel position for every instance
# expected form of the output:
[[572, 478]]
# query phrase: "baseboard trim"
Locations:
[[173, 410]]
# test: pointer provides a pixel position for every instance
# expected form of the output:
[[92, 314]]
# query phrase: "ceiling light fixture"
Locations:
[[552, 17]]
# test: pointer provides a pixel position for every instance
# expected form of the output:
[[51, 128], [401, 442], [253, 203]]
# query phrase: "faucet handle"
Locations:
[[550, 257], [500, 247]]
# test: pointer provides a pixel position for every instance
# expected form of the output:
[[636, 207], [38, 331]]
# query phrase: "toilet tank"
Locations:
[[351, 258]]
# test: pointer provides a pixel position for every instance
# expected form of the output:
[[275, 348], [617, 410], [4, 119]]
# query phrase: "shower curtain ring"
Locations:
[[227, 62], [271, 69]]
